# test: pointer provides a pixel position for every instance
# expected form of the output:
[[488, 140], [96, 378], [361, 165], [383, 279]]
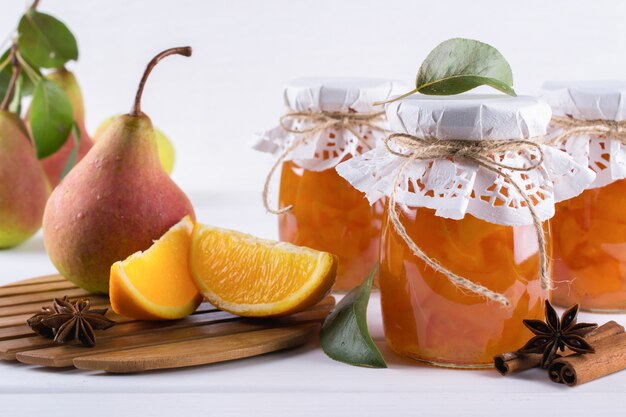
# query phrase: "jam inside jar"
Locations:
[[328, 214], [429, 319], [590, 249]]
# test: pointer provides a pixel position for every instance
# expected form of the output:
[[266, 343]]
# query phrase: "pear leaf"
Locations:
[[51, 117], [459, 65], [16, 101], [26, 85], [345, 337], [71, 160], [44, 41], [5, 73]]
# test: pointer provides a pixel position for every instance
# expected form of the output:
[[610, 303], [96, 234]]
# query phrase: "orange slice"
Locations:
[[255, 277], [156, 284]]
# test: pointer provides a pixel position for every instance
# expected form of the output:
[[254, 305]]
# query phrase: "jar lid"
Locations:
[[456, 186], [340, 93], [587, 100], [470, 116]]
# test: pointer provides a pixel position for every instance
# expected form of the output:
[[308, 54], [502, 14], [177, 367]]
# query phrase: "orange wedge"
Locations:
[[255, 277], [156, 284]]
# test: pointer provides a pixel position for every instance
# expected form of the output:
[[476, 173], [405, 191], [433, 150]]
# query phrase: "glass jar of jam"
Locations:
[[465, 215], [329, 214], [590, 230], [329, 120]]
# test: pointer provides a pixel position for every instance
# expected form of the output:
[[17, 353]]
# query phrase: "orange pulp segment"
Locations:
[[156, 284], [255, 277]]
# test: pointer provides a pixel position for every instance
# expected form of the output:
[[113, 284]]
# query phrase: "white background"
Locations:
[[245, 50], [212, 103]]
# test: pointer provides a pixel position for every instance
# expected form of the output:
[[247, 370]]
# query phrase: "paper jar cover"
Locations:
[[459, 186], [325, 149], [591, 100]]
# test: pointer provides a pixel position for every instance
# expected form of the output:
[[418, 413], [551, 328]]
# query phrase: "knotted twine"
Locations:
[[320, 121], [482, 153], [612, 129]]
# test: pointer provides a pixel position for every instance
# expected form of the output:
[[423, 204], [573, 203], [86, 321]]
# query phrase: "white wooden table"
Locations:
[[300, 382]]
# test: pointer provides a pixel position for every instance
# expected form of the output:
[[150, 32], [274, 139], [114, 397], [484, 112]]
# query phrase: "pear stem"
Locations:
[[183, 50], [34, 5], [17, 68]]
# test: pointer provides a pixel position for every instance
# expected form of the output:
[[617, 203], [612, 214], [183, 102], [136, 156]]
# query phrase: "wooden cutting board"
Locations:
[[207, 336]]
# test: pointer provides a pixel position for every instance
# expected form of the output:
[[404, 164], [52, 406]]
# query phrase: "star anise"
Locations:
[[38, 327], [557, 334], [69, 321]]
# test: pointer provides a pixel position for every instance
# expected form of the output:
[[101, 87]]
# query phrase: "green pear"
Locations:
[[54, 164], [24, 188], [115, 202], [167, 154]]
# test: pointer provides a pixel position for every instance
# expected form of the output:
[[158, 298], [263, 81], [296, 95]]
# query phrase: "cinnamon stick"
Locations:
[[576, 369], [513, 362]]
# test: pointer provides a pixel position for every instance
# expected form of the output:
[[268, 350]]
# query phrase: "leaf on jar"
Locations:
[[459, 65], [345, 337]]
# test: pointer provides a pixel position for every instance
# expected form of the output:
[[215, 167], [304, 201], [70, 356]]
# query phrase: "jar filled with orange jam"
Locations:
[[327, 121], [462, 262], [589, 123]]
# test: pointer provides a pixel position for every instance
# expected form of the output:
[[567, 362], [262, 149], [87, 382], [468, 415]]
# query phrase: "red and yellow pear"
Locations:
[[115, 202], [54, 164], [24, 188], [167, 154]]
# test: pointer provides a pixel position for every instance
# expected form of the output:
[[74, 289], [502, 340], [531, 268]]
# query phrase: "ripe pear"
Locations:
[[24, 188], [167, 154], [54, 164], [115, 202]]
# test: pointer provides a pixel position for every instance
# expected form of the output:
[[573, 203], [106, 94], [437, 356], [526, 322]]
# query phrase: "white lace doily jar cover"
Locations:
[[324, 149], [455, 187], [591, 100]]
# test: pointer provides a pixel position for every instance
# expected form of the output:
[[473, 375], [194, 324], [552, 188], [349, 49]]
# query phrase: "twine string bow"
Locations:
[[612, 129], [320, 121], [482, 153]]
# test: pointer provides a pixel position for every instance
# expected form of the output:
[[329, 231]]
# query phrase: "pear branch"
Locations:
[[17, 68], [183, 50]]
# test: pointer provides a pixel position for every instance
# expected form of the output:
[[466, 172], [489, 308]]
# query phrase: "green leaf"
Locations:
[[26, 84], [28, 87], [345, 337], [5, 73], [459, 65], [18, 93], [45, 41], [71, 160], [51, 117]]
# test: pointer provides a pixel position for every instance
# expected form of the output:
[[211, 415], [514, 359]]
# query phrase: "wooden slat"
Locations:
[[41, 297], [38, 280], [25, 310], [15, 315], [15, 332], [22, 312], [35, 288], [19, 329], [199, 351]]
